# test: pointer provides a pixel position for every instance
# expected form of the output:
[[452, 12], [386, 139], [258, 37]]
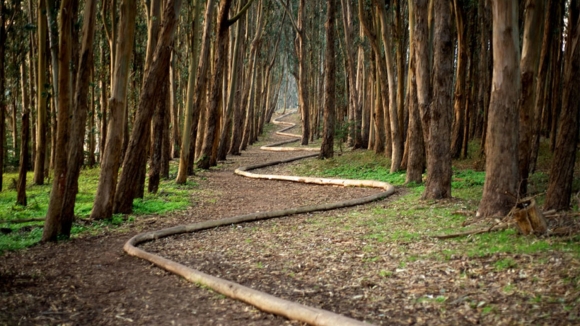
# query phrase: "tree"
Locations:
[[41, 123], [438, 116], [149, 97], [415, 143], [531, 49], [327, 147], [562, 169], [24, 139], [2, 91], [103, 205], [195, 84], [501, 146], [53, 223]]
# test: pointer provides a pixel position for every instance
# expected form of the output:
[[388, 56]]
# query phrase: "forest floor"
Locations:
[[345, 261]]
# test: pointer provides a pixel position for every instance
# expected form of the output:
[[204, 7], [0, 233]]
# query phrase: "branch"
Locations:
[[239, 15], [298, 31]]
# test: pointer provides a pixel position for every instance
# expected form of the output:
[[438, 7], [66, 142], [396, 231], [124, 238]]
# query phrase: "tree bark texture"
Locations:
[[501, 147], [438, 150], [53, 223], [195, 86], [220, 56], [327, 147], [2, 91], [562, 169], [41, 123], [24, 140], [156, 72], [103, 205], [531, 50], [416, 145]]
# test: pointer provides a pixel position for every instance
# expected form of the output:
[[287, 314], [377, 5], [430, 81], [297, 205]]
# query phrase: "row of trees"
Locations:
[[443, 73], [122, 84]]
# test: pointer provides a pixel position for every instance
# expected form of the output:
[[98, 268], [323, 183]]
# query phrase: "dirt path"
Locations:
[[90, 280]]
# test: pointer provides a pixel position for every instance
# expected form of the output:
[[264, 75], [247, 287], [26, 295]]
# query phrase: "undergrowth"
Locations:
[[170, 197]]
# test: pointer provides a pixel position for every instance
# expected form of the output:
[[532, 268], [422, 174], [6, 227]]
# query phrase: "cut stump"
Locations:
[[529, 218]]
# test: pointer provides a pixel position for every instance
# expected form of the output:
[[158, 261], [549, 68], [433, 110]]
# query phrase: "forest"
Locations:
[[149, 99]]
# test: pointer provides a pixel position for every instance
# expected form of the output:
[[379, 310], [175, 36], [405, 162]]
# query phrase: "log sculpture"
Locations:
[[259, 299]]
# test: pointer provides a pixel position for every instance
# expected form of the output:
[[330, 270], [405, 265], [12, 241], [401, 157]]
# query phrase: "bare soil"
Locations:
[[321, 259]]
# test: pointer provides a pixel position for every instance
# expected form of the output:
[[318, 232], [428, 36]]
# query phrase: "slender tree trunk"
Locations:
[[103, 205], [104, 109], [303, 96], [212, 121], [79, 117], [53, 223], [174, 108], [460, 95], [41, 122], [157, 138], [501, 146], [195, 86], [157, 71], [327, 147], [532, 45], [51, 13], [233, 85], [416, 147], [24, 139], [439, 171], [562, 169], [396, 139], [353, 94]]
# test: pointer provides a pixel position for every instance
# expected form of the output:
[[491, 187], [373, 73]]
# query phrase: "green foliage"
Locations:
[[170, 197]]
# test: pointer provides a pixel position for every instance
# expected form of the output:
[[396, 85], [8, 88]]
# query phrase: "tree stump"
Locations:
[[529, 218]]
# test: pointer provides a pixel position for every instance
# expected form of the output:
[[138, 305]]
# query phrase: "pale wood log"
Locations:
[[259, 299]]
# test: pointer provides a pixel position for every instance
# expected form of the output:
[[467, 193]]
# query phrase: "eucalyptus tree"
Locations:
[[562, 168], [103, 204], [41, 92], [502, 126], [158, 70], [327, 147]]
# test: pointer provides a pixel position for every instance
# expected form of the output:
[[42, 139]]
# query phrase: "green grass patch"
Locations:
[[409, 219], [170, 197]]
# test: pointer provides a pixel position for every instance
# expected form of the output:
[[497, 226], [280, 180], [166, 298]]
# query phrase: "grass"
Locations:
[[170, 197], [408, 218]]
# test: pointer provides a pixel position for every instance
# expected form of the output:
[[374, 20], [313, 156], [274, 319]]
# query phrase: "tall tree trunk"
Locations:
[[562, 169], [439, 171], [174, 108], [532, 45], [327, 147], [396, 139], [460, 95], [353, 94], [212, 121], [195, 86], [41, 123], [303, 96], [157, 139], [103, 205], [51, 13], [24, 139], [53, 223], [416, 147], [157, 71], [233, 85], [104, 109], [501, 146]]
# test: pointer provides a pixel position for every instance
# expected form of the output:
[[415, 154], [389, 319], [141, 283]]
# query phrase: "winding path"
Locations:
[[261, 300]]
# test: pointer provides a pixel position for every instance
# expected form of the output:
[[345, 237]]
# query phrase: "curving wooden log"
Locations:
[[261, 300]]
